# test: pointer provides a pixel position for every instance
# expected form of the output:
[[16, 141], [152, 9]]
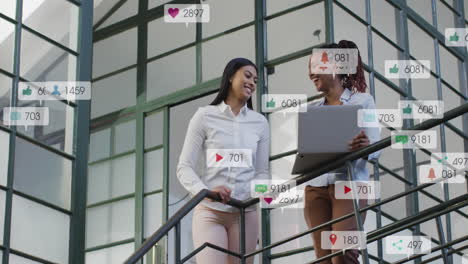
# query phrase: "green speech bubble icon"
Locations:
[[401, 138], [261, 188]]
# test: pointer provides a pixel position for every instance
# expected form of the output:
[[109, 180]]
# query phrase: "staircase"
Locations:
[[446, 248]]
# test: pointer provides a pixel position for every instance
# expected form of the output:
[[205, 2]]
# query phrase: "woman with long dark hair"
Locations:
[[320, 203], [229, 122]]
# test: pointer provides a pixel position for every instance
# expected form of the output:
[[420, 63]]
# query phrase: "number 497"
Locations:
[[415, 244]]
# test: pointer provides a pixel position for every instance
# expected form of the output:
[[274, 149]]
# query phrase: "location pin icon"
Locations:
[[333, 239]]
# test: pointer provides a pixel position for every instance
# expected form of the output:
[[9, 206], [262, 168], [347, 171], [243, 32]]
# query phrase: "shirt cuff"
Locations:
[[374, 155]]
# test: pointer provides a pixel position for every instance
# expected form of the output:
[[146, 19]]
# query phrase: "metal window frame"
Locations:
[[79, 155]]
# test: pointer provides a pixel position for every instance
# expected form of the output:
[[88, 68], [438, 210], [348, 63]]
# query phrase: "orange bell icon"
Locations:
[[324, 57], [431, 174]]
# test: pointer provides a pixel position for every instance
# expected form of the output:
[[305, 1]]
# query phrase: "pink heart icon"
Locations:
[[268, 199], [173, 12]]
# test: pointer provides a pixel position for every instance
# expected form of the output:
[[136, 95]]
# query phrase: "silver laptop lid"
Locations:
[[327, 129]]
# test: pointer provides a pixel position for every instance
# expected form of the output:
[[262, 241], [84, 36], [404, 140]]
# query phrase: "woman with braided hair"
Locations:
[[320, 203]]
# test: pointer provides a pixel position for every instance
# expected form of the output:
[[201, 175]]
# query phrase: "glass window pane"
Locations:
[[215, 54], [383, 51], [154, 170], [153, 213], [347, 27], [117, 254], [125, 134], [42, 61], [175, 36], [452, 100], [282, 168], [221, 18], [161, 80], [5, 143], [466, 11], [304, 22], [283, 129], [7, 44], [110, 223], [42, 174], [101, 7], [61, 125], [424, 9], [358, 7], [157, 254], [13, 259], [56, 19], [383, 18], [99, 145], [8, 8], [421, 44], [154, 129], [287, 222], [445, 17], [454, 142], [297, 258], [449, 68], [128, 9], [385, 97], [458, 221], [179, 120], [111, 179], [396, 208], [5, 94], [424, 89], [292, 77], [2, 214], [155, 3], [46, 237], [429, 228], [123, 89], [274, 6], [59, 132], [124, 44]]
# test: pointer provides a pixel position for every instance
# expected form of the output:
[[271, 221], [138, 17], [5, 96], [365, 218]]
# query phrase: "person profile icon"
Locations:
[[56, 91]]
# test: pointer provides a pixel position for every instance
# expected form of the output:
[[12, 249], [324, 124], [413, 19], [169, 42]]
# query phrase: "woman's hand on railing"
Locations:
[[223, 192]]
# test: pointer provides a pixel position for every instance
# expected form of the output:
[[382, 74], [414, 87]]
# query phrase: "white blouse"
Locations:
[[216, 127]]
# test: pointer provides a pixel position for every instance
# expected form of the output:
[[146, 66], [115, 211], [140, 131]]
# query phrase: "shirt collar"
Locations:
[[345, 97], [225, 108]]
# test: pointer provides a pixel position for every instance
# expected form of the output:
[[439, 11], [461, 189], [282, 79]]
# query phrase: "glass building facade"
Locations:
[[43, 168], [100, 179]]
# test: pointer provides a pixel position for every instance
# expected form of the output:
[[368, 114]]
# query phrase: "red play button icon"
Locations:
[[219, 157], [346, 189]]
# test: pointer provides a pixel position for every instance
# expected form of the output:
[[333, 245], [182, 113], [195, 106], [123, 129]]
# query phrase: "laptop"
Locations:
[[323, 134]]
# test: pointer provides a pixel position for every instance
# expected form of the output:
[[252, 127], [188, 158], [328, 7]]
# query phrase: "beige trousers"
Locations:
[[222, 229], [321, 206]]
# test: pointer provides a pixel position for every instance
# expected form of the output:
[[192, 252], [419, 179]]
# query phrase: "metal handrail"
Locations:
[[164, 229], [316, 171], [395, 227]]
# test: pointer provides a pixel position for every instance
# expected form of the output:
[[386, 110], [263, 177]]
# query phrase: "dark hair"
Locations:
[[354, 82], [230, 69]]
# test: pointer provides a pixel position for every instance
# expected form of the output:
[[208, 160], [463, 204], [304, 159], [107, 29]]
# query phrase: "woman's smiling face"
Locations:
[[322, 82], [244, 82]]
